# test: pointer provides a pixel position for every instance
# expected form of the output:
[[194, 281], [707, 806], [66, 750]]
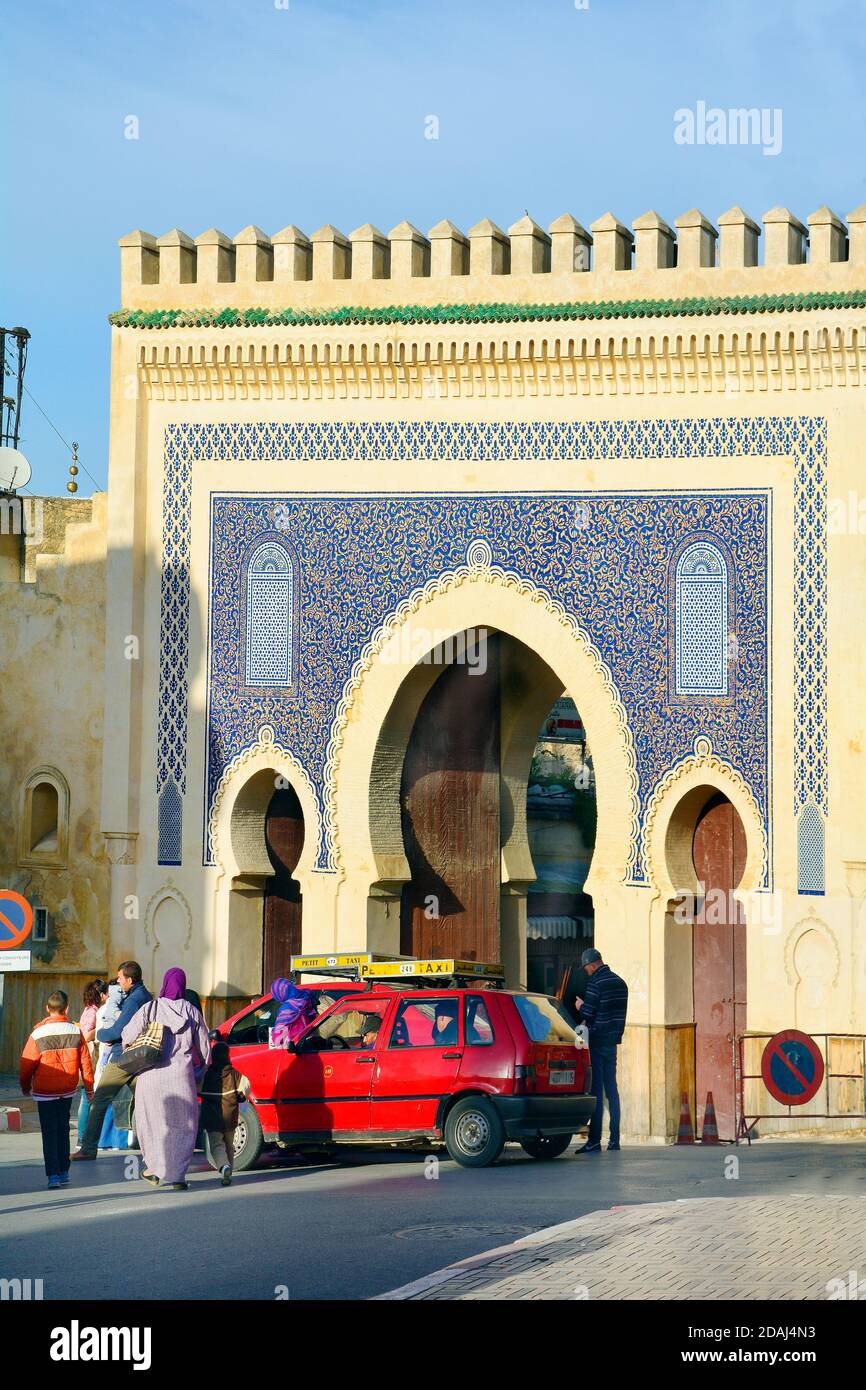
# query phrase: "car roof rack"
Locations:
[[403, 972]]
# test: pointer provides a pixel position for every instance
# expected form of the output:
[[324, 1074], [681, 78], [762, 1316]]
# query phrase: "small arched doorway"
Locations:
[[281, 920], [718, 956]]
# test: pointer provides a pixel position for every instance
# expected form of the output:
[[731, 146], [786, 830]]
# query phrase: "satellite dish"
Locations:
[[15, 471]]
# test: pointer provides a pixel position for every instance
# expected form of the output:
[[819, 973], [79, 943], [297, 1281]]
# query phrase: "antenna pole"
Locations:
[[10, 414]]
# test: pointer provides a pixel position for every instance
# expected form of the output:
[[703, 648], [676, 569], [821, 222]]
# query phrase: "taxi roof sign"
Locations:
[[443, 969], [342, 961]]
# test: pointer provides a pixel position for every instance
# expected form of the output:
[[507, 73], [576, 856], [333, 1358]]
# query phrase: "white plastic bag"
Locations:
[[581, 1036]]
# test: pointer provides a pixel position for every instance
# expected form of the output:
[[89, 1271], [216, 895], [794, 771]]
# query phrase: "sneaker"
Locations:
[[172, 1187], [81, 1154], [54, 1181], [588, 1148], [613, 1148], [226, 1175], [64, 1179]]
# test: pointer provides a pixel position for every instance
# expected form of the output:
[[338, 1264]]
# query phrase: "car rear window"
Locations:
[[544, 1019]]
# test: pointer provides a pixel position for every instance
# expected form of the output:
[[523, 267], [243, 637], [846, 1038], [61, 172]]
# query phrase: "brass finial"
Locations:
[[72, 485]]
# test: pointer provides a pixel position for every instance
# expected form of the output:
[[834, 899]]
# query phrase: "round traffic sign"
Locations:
[[16, 919], [792, 1067]]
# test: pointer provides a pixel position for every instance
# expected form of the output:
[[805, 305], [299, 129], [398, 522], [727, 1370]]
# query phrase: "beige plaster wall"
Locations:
[[785, 363]]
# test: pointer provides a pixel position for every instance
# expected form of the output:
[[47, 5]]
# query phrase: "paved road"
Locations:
[[769, 1248], [354, 1229]]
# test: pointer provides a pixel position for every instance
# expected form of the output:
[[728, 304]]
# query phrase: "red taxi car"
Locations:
[[454, 1061]]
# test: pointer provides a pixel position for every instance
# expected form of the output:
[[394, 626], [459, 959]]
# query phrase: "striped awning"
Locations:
[[550, 928]]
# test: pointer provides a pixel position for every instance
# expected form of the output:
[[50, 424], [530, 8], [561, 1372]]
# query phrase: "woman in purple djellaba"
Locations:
[[166, 1096]]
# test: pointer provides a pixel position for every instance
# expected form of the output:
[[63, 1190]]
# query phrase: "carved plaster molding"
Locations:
[[369, 363], [168, 890], [810, 922]]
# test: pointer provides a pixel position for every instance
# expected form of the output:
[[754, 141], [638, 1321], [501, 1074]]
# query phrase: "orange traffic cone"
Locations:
[[710, 1131], [686, 1133]]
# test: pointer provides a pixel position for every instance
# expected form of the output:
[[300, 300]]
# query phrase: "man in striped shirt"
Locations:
[[54, 1058], [603, 1009]]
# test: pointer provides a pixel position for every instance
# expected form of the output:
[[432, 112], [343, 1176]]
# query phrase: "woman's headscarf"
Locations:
[[174, 984], [297, 1009]]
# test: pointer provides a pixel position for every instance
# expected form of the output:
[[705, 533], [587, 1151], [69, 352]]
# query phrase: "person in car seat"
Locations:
[[370, 1030], [297, 1009], [445, 1024]]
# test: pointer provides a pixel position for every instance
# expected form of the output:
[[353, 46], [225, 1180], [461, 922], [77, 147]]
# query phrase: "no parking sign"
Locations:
[[16, 922], [792, 1067]]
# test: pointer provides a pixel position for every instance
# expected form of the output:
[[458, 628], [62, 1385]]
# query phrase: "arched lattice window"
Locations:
[[810, 850], [270, 599], [701, 621], [170, 824]]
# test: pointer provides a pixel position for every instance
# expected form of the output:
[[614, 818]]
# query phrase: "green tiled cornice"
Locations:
[[486, 313]]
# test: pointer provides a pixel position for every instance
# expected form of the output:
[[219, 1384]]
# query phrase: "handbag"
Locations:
[[145, 1051]]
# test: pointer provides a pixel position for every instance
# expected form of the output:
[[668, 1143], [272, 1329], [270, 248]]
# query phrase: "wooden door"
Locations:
[[450, 814], [718, 958], [281, 934]]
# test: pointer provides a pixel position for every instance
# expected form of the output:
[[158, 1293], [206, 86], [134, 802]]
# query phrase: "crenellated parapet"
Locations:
[[487, 265]]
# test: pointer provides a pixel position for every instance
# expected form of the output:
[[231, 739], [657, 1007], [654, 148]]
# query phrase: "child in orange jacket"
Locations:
[[54, 1057]]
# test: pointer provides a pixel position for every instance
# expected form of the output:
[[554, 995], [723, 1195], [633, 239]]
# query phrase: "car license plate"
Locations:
[[562, 1078]]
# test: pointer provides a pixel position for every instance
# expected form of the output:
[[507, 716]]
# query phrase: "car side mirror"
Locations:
[[215, 1035]]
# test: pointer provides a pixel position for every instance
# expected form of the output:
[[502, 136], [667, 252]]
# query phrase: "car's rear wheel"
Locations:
[[546, 1145], [474, 1133]]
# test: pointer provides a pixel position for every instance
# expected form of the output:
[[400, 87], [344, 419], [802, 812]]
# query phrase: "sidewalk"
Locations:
[[10, 1095], [778, 1248]]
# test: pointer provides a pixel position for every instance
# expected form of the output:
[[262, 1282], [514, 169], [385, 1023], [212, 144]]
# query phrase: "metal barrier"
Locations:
[[746, 1122]]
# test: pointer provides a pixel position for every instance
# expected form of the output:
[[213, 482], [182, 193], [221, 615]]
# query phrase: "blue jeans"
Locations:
[[602, 1059], [83, 1112]]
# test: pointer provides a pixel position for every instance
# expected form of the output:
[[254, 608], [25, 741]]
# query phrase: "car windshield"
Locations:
[[544, 1019]]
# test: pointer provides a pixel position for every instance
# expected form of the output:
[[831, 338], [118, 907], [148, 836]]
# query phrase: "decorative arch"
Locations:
[[236, 826], [810, 923], [43, 821], [269, 607], [168, 890], [701, 607], [476, 595], [676, 799]]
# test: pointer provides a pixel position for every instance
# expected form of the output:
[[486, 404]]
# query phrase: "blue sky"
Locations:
[[315, 113]]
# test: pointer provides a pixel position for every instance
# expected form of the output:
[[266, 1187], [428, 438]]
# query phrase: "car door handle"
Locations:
[[364, 1061], [451, 1056]]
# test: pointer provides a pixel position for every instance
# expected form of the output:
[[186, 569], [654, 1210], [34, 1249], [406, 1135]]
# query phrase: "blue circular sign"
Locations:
[[792, 1067], [16, 919]]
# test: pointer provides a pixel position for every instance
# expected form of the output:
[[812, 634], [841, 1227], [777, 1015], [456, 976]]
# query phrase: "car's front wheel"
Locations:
[[546, 1145], [474, 1133]]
